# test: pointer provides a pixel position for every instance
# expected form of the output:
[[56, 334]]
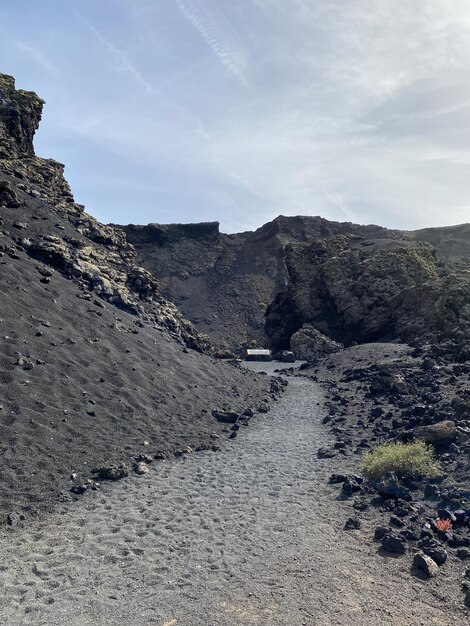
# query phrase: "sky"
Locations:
[[241, 110]]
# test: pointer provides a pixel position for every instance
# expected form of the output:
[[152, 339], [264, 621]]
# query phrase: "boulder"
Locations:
[[393, 544], [438, 434], [112, 472], [309, 344], [425, 564], [226, 417], [389, 487], [286, 356]]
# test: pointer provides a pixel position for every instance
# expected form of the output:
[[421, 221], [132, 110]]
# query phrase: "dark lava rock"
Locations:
[[352, 484], [446, 514], [409, 534], [226, 417], [335, 479], [286, 356], [463, 553], [79, 489], [439, 434], [326, 453], [396, 521], [431, 492], [389, 487], [14, 519], [393, 544], [425, 564], [112, 472], [352, 523], [437, 553], [380, 532]]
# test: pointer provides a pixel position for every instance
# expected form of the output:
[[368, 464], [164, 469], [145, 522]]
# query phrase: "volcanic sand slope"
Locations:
[[249, 535], [93, 360]]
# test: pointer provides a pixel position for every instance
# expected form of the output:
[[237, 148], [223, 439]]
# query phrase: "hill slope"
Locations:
[[224, 283], [93, 359]]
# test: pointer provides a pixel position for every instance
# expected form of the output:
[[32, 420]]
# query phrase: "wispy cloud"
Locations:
[[355, 109], [38, 57], [121, 60], [219, 35]]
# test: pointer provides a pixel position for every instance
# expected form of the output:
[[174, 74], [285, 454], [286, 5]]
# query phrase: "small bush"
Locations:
[[404, 459]]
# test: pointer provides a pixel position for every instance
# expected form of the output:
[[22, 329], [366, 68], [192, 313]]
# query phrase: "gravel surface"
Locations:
[[249, 535]]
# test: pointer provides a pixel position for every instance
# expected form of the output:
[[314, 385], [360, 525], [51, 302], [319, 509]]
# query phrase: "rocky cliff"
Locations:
[[98, 257], [224, 283], [356, 290]]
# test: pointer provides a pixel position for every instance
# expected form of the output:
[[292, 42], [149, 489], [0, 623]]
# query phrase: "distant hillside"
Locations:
[[224, 283]]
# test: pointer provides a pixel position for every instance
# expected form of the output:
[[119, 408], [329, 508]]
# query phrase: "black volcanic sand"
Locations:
[[83, 384], [252, 534]]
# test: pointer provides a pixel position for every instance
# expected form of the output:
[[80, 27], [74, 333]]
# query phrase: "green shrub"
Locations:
[[416, 458]]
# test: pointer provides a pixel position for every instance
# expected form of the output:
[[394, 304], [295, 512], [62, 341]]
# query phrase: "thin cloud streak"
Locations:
[[211, 23], [120, 56], [239, 111], [39, 58]]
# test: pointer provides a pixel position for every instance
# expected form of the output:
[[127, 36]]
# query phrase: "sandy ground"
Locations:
[[249, 535]]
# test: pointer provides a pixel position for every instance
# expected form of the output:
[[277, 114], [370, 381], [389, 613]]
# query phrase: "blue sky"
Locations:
[[238, 111]]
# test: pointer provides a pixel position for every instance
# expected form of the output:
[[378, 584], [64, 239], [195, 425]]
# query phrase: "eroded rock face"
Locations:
[[96, 256], [20, 114], [224, 283], [355, 290]]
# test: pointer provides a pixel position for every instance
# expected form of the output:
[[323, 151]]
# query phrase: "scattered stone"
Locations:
[[389, 487], [286, 356], [380, 532], [393, 544], [226, 417], [79, 489], [309, 344], [463, 553], [112, 472], [438, 434], [337, 478], [436, 552], [326, 453], [425, 564], [352, 523], [431, 492], [141, 468], [144, 458], [467, 599], [24, 363], [351, 485], [14, 519]]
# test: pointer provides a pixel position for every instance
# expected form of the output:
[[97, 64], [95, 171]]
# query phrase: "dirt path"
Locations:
[[250, 535]]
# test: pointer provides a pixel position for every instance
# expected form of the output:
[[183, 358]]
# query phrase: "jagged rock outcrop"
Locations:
[[99, 257], [224, 283], [356, 290]]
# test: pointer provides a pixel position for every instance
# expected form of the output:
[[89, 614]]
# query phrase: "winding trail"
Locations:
[[250, 535]]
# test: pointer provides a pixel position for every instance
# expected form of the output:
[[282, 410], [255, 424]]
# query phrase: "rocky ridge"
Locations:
[[225, 283], [98, 257]]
